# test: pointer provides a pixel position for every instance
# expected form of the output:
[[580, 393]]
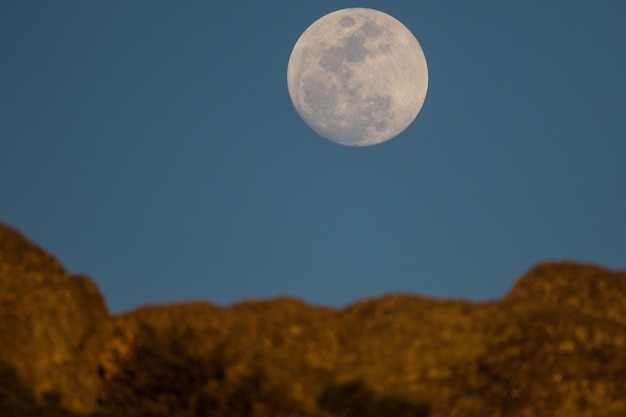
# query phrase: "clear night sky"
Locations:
[[153, 146]]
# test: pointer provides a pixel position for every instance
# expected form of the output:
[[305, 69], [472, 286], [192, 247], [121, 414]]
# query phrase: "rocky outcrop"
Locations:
[[52, 324], [555, 345]]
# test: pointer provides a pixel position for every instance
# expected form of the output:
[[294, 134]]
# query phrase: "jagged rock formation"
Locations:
[[554, 346]]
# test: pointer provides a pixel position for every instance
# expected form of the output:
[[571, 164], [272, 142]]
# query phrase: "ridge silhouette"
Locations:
[[555, 345]]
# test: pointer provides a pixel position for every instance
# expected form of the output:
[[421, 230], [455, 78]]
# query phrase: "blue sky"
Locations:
[[153, 146]]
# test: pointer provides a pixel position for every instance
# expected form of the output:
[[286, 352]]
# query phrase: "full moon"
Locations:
[[357, 77]]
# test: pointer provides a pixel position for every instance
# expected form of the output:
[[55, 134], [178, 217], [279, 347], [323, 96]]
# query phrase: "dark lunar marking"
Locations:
[[347, 21], [319, 98], [384, 47], [375, 108], [380, 126], [376, 102], [355, 51], [354, 95], [370, 29], [344, 75], [332, 58]]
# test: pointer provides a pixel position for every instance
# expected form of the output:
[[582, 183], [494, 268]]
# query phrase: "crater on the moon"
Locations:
[[357, 77]]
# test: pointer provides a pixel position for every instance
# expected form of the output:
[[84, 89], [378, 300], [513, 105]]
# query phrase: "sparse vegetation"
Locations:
[[18, 401], [354, 399], [162, 379]]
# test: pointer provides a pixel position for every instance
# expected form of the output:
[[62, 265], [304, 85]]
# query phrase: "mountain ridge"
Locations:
[[554, 345]]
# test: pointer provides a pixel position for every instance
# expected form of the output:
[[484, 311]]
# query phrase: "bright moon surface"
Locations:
[[357, 77]]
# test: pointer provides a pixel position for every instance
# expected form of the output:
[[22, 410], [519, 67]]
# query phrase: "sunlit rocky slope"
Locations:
[[555, 345]]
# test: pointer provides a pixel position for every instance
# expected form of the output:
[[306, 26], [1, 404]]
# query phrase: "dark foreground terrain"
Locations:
[[555, 345]]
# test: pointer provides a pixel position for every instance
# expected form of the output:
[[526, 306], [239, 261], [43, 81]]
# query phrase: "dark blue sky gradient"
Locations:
[[153, 146]]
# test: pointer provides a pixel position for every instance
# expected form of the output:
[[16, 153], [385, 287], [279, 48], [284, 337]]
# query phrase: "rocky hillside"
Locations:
[[554, 346]]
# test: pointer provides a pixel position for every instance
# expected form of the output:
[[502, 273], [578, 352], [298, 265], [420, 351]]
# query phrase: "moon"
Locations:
[[357, 77]]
